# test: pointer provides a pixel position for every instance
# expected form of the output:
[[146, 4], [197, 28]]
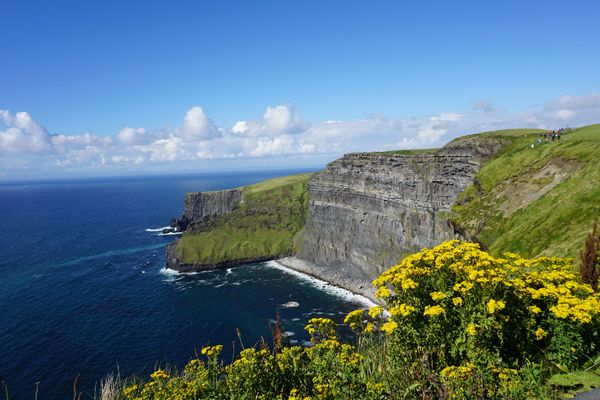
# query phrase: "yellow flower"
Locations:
[[354, 315], [159, 374], [433, 311], [435, 296], [495, 305], [463, 287], [535, 309], [408, 284], [375, 312], [457, 301], [383, 293], [210, 351], [540, 334], [403, 310], [471, 329], [389, 327], [369, 328], [129, 390]]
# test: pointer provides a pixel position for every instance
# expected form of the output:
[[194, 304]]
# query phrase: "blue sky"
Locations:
[[381, 70]]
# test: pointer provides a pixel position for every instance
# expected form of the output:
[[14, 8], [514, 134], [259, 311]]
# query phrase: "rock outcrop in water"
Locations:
[[368, 210]]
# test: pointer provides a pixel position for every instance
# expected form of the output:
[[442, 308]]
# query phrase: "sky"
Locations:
[[99, 88]]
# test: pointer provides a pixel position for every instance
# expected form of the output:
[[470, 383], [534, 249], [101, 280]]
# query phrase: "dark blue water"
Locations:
[[83, 289]]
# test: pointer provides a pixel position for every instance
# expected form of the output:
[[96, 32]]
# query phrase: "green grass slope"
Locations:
[[271, 214], [538, 200]]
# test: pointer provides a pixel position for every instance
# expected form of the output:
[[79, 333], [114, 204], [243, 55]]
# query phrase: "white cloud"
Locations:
[[277, 120], [575, 102], [27, 147], [282, 119], [132, 136], [22, 135], [248, 128], [565, 115], [197, 126]]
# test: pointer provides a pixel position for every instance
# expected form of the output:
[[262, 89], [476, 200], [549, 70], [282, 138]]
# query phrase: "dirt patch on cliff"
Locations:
[[522, 191]]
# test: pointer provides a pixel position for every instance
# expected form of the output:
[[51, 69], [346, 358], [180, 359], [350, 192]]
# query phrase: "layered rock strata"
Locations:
[[368, 210]]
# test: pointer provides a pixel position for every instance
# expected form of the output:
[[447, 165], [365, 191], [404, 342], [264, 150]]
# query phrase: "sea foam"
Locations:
[[157, 229], [325, 286]]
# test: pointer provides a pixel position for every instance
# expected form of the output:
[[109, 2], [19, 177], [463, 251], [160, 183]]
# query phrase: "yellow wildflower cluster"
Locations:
[[471, 329], [320, 328], [159, 374], [433, 311], [403, 310], [546, 283], [436, 296], [495, 305], [457, 372], [540, 334], [211, 351], [355, 319], [389, 327], [484, 299], [369, 328], [376, 311]]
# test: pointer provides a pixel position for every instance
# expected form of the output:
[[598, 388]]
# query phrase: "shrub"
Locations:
[[471, 325]]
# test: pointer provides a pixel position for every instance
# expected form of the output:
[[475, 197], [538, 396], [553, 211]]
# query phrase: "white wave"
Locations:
[[326, 286], [169, 271], [289, 333], [170, 233], [172, 272], [291, 304], [229, 271], [157, 229]]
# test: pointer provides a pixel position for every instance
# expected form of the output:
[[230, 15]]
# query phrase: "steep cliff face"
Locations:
[[197, 206], [200, 208], [367, 210]]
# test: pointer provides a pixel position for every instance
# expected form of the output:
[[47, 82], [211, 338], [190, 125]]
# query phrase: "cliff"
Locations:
[[232, 227], [368, 210], [509, 190]]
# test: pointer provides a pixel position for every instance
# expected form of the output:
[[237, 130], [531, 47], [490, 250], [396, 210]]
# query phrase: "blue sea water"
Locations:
[[83, 288]]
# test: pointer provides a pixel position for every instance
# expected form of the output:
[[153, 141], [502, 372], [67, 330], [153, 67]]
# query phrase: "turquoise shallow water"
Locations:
[[83, 289]]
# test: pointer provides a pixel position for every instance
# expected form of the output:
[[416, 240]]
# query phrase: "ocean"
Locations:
[[84, 291]]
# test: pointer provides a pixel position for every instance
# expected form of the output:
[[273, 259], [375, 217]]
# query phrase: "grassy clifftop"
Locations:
[[535, 198], [264, 225]]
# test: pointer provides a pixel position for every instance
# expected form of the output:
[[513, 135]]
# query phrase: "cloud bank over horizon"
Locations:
[[281, 137]]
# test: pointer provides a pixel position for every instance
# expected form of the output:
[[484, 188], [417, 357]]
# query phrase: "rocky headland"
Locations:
[[364, 212]]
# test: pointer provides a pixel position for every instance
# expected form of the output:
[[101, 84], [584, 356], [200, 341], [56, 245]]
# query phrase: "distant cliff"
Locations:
[[231, 227], [200, 206]]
